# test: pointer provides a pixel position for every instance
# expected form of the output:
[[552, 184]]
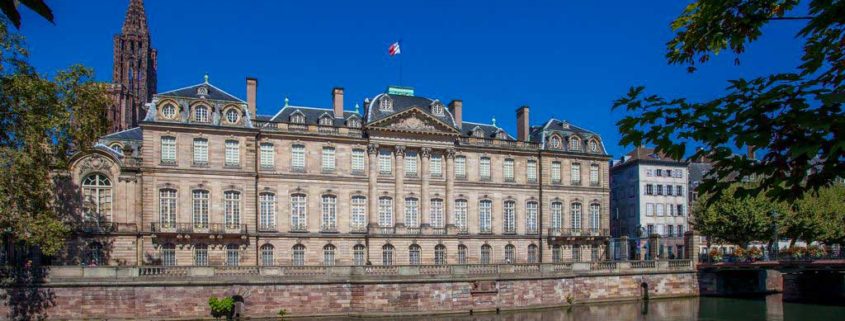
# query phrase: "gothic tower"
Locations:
[[134, 73]]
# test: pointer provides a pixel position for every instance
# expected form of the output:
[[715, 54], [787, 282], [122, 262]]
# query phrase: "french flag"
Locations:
[[394, 49]]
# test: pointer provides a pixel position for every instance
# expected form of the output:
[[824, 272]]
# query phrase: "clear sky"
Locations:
[[565, 59]]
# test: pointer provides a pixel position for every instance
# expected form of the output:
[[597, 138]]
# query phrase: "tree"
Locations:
[[796, 119], [42, 122], [10, 9], [819, 217], [736, 218]]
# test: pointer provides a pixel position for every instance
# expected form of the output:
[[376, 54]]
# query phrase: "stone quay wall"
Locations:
[[126, 293]]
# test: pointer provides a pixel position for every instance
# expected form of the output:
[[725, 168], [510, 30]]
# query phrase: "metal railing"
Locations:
[[553, 231], [196, 228]]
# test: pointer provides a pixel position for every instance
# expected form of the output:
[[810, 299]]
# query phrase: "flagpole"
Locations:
[[400, 63]]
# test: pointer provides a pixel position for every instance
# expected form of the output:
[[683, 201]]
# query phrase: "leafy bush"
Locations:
[[221, 307]]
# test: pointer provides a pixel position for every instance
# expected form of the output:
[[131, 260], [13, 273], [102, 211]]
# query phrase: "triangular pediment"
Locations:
[[414, 120]]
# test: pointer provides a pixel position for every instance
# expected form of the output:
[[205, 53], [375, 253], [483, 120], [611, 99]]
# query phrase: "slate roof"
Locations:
[[312, 115], [214, 93], [489, 130], [402, 103], [697, 172], [561, 126], [648, 156], [129, 134]]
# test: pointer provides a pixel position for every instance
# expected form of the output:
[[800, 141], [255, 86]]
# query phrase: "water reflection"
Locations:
[[769, 308]]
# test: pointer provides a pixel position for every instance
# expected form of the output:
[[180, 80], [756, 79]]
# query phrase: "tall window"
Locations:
[[509, 217], [680, 190], [358, 161], [462, 254], [387, 254], [669, 190], [233, 255], [649, 209], [411, 163], [649, 189], [328, 255], [557, 215], [440, 254], [485, 254], [555, 172], [201, 114], [531, 217], [510, 255], [200, 151], [576, 174], [201, 254], [200, 208], [658, 209], [436, 215], [595, 218], [484, 168], [359, 212], [532, 253], [461, 215], [267, 156], [233, 153], [412, 212], [168, 254], [96, 197], [556, 255], [659, 189], [576, 216], [297, 157], [232, 202], [385, 162], [329, 211], [358, 255], [594, 174], [168, 149], [385, 212], [167, 207], [574, 144], [298, 252], [267, 255], [485, 216], [460, 167], [508, 170], [328, 159], [680, 209], [267, 209], [414, 254], [531, 171], [298, 215], [436, 165], [576, 253]]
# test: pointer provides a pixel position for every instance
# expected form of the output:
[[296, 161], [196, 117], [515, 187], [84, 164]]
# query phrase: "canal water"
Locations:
[[769, 308]]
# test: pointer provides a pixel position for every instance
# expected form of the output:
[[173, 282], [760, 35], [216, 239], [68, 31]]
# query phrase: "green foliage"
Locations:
[[818, 217], [795, 119], [42, 122], [221, 307], [736, 218], [282, 313], [10, 10]]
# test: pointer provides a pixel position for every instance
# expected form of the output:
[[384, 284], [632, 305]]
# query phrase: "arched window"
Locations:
[[298, 216], [412, 212], [232, 115], [575, 213], [440, 254], [574, 143], [167, 207], [595, 218], [486, 254], [116, 147], [359, 213], [485, 216], [233, 255], [531, 209], [168, 111], [267, 255], [532, 253], [436, 213], [232, 203], [385, 212], [201, 114], [510, 254], [358, 255], [96, 197], [168, 254], [594, 146], [267, 211], [387, 254], [557, 215], [461, 215], [95, 255], [200, 209], [298, 255], [462, 254], [555, 142], [329, 213], [328, 255], [201, 254], [510, 217], [414, 254]]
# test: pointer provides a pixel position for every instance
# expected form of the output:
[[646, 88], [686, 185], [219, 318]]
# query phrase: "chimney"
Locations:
[[251, 90], [522, 123], [337, 102], [457, 108]]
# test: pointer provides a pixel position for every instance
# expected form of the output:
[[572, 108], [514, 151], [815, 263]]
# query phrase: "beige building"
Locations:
[[205, 181]]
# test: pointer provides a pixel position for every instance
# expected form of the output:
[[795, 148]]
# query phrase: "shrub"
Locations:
[[221, 307]]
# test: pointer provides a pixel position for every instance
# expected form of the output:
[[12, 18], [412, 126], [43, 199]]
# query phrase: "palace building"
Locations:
[[205, 180]]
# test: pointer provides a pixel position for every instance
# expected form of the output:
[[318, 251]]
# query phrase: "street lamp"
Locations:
[[775, 245]]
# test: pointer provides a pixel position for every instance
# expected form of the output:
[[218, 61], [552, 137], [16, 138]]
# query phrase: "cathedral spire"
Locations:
[[136, 19]]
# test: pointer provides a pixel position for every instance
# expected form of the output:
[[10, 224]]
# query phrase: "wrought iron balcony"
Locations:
[[578, 232], [198, 228]]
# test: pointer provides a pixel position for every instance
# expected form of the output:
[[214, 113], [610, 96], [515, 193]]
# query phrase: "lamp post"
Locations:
[[775, 245]]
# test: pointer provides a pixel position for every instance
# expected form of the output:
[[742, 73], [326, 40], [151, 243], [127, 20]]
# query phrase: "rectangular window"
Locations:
[[650, 229], [329, 211], [412, 212], [385, 212], [594, 174], [461, 215], [168, 150], [531, 218], [659, 189], [670, 209], [232, 205], [359, 213], [200, 209], [436, 165], [669, 190], [680, 209], [658, 208], [297, 158], [649, 172], [670, 230], [437, 213], [484, 168], [267, 157], [358, 161], [576, 253], [576, 174], [509, 217], [669, 173], [167, 208], [267, 211], [460, 167], [201, 255], [462, 254], [679, 190], [531, 171], [659, 172], [200, 151], [649, 189], [680, 230], [649, 209], [485, 216], [385, 162], [328, 159], [233, 153], [298, 218], [508, 170], [557, 215], [411, 164], [556, 172]]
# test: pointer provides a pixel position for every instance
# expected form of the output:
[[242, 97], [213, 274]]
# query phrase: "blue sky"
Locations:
[[565, 59]]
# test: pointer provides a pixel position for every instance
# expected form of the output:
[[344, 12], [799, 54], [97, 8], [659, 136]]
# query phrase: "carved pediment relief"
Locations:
[[414, 120], [95, 163], [412, 123]]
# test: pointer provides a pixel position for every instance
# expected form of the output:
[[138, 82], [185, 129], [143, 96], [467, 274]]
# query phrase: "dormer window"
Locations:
[[385, 104], [201, 114], [297, 118], [232, 116], [168, 111], [574, 143], [202, 91], [353, 123], [594, 146], [116, 147], [502, 135], [477, 132], [326, 121], [437, 108], [555, 142]]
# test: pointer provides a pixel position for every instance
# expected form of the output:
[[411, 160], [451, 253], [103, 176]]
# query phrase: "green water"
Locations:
[[769, 308]]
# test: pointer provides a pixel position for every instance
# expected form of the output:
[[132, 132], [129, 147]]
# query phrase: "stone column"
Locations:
[[372, 211], [691, 244], [623, 248], [450, 187], [399, 175], [425, 216]]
